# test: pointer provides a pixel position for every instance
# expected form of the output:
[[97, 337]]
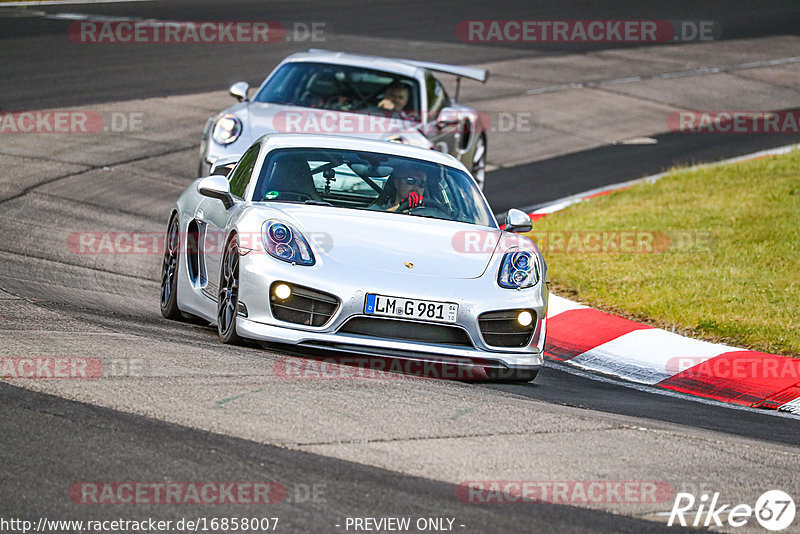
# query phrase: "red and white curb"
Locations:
[[596, 341]]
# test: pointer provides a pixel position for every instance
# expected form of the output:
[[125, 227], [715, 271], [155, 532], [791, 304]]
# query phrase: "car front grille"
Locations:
[[304, 306], [501, 329], [407, 331]]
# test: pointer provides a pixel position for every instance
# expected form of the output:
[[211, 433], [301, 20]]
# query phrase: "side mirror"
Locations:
[[216, 187], [518, 222], [239, 91]]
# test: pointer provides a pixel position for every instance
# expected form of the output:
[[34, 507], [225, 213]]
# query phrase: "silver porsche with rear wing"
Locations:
[[325, 92], [317, 241]]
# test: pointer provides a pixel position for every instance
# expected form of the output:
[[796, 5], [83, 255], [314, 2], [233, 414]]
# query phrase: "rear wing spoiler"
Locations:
[[480, 75]]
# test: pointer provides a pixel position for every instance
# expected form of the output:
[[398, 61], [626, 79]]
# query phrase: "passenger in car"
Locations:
[[291, 179]]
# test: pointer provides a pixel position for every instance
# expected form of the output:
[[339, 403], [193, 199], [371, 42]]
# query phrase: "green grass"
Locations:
[[726, 259]]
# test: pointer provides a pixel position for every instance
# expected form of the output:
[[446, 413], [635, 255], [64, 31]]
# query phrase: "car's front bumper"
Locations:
[[350, 286], [370, 346]]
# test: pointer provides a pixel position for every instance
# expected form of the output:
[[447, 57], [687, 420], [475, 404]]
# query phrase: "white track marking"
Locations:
[[647, 356], [91, 17], [791, 407], [557, 305], [67, 2]]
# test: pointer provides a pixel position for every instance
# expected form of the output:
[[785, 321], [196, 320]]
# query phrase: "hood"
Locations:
[[260, 118], [387, 241]]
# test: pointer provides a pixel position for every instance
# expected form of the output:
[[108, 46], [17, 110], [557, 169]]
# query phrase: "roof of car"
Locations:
[[394, 66], [291, 140]]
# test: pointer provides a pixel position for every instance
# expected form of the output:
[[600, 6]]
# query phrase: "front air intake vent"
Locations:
[[407, 331], [503, 329], [303, 305]]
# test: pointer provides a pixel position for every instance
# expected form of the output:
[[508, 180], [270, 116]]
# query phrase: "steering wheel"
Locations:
[[435, 207], [428, 204]]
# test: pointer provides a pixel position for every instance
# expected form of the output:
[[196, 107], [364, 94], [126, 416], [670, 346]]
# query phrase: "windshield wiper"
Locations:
[[317, 203]]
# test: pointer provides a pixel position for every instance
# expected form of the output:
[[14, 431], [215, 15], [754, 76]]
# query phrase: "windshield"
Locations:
[[338, 87], [371, 181]]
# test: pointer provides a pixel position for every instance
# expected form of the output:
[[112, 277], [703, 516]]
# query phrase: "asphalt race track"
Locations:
[[96, 442], [79, 75], [202, 411]]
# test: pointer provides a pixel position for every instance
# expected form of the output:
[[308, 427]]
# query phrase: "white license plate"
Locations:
[[423, 310]]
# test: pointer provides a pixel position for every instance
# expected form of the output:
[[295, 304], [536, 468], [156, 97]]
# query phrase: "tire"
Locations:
[[479, 161], [228, 296], [169, 272]]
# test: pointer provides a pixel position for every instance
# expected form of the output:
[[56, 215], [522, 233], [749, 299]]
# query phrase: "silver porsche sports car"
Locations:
[[360, 247], [347, 94]]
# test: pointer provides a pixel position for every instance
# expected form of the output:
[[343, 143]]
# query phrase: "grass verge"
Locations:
[[712, 253]]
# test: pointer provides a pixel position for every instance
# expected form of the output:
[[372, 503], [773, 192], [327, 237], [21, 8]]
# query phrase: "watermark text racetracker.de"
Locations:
[[587, 31], [136, 243], [564, 491], [736, 366], [173, 493], [148, 524], [195, 32], [463, 241], [375, 368], [735, 122], [379, 122], [74, 367], [588, 241], [70, 122]]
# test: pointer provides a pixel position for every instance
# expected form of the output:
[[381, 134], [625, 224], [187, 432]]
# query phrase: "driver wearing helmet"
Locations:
[[404, 190]]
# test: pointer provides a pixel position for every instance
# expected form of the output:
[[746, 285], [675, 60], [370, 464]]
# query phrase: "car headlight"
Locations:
[[227, 129], [518, 270], [283, 242]]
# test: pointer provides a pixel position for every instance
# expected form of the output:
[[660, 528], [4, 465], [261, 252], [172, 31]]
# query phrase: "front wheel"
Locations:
[[228, 299], [169, 272]]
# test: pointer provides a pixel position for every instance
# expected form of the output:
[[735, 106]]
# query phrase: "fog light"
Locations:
[[525, 318], [283, 292]]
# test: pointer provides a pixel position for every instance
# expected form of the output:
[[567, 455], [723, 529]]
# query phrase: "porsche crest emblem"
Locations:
[[409, 265]]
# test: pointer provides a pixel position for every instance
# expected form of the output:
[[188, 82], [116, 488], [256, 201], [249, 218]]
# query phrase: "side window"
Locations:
[[437, 97], [241, 174]]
